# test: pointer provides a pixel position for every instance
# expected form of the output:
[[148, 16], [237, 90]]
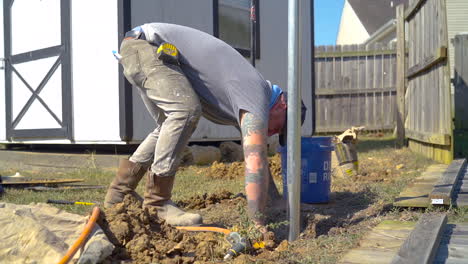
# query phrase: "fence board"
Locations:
[[400, 76], [355, 86], [428, 93]]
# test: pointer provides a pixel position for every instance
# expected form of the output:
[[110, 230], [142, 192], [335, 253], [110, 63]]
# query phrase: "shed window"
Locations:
[[232, 24]]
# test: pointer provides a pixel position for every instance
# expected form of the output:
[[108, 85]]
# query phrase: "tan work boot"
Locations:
[[125, 182], [158, 195]]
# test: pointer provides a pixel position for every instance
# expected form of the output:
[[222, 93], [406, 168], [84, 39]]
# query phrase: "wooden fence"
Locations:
[[355, 86], [428, 118]]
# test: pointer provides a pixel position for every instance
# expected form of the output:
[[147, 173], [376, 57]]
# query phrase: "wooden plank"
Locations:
[[351, 53], [453, 229], [463, 182], [367, 256], [413, 201], [351, 99], [438, 139], [447, 251], [361, 98], [417, 193], [388, 82], [447, 123], [378, 72], [328, 73], [460, 240], [347, 76], [459, 232], [462, 200], [44, 182], [321, 106], [343, 128], [336, 91], [439, 55], [413, 9], [381, 244], [451, 261], [395, 225], [400, 71], [422, 243], [442, 193]]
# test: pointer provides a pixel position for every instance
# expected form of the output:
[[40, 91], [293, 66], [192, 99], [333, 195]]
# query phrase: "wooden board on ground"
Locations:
[[453, 247], [42, 182], [65, 187], [460, 196], [422, 243], [381, 244], [442, 193], [417, 193]]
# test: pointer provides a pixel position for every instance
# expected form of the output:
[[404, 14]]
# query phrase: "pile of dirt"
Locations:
[[235, 170], [205, 200], [220, 170], [140, 236]]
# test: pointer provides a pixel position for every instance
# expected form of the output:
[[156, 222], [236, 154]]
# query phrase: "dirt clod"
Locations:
[[205, 200], [235, 170]]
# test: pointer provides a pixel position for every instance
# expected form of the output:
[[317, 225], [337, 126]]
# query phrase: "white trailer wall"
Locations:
[[95, 71], [2, 81]]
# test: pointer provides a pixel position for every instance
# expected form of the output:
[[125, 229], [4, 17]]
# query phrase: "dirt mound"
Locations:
[[203, 201], [139, 235], [219, 170], [235, 170]]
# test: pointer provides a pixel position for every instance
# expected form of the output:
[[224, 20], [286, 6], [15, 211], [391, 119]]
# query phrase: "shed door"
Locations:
[[37, 68]]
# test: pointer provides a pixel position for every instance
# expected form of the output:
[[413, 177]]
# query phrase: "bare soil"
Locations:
[[140, 236], [327, 230]]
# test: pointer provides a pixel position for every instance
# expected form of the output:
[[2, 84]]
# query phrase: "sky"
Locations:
[[327, 15]]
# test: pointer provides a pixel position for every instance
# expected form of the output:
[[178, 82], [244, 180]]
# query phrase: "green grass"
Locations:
[[368, 144], [91, 176], [188, 183]]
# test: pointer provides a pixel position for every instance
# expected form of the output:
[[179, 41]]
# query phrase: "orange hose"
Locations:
[[205, 229], [82, 238]]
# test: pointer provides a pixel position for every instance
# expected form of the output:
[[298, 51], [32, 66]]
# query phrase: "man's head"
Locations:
[[277, 122]]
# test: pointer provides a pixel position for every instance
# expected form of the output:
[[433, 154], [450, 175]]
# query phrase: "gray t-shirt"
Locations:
[[223, 79]]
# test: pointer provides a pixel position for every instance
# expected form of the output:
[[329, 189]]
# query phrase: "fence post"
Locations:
[[400, 75]]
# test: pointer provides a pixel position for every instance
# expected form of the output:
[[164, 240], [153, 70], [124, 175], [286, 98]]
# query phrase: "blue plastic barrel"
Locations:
[[315, 169]]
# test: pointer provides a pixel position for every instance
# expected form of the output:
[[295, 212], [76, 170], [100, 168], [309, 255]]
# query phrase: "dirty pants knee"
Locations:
[[171, 101]]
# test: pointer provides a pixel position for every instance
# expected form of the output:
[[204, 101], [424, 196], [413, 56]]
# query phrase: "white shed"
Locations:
[[61, 83]]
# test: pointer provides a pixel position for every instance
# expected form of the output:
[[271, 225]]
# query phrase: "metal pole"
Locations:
[[294, 127], [253, 31]]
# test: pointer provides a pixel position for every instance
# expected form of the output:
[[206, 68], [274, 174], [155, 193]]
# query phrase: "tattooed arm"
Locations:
[[254, 142]]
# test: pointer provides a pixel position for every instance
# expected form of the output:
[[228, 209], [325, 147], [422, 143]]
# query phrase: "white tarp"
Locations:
[[40, 233]]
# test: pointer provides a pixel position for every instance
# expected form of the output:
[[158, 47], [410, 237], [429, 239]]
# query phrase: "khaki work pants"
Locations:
[[171, 101]]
